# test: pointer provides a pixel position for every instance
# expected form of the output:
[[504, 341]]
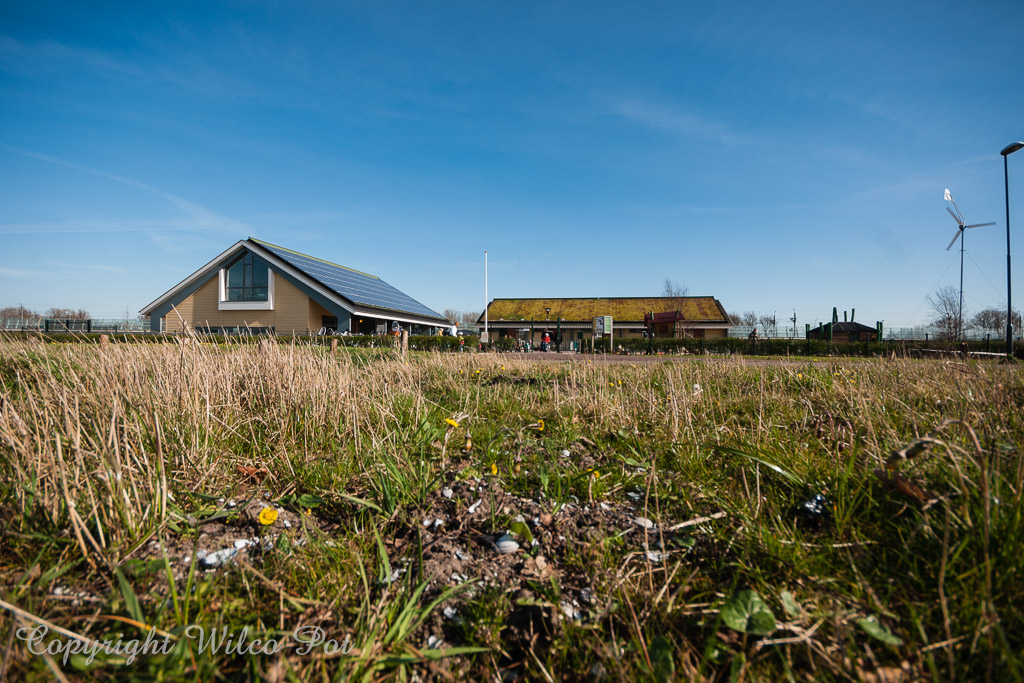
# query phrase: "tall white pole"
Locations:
[[486, 335]]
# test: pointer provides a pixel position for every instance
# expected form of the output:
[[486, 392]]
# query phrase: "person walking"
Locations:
[[545, 341]]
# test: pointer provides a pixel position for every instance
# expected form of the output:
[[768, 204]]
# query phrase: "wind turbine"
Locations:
[[960, 228]]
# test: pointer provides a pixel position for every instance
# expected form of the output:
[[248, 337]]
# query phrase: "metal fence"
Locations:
[[888, 333], [115, 326]]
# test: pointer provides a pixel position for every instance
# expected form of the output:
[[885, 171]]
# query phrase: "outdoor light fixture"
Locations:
[[1007, 151]]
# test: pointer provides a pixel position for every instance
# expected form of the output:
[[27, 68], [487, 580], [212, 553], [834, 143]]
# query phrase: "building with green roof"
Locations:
[[526, 319]]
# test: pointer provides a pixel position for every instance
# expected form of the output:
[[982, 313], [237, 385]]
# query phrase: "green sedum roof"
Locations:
[[704, 309]]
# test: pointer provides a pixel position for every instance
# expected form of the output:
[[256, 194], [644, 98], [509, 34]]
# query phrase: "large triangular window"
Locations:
[[247, 283]]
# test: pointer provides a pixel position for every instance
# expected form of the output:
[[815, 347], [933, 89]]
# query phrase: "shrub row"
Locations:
[[731, 345]]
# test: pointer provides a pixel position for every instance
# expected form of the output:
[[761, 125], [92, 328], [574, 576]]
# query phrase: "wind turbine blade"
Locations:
[[954, 241], [978, 225], [958, 222]]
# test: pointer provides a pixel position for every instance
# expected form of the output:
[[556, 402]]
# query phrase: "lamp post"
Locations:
[[486, 338], [1007, 151]]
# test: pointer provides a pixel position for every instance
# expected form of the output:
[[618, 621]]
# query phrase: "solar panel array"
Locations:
[[357, 287]]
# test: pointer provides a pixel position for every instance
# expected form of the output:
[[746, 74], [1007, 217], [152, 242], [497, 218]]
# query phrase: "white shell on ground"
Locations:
[[220, 557], [643, 523], [506, 544]]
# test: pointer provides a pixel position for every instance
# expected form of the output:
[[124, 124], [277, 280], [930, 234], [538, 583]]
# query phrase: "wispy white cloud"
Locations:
[[64, 266], [21, 272], [94, 226], [678, 121], [199, 217]]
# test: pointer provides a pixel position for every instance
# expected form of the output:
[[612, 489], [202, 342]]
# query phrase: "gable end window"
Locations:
[[246, 284]]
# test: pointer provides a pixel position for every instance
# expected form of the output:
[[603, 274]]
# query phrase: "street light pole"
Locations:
[[1007, 151], [487, 337]]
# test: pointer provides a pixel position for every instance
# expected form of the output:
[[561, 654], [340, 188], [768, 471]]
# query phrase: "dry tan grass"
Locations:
[[108, 443]]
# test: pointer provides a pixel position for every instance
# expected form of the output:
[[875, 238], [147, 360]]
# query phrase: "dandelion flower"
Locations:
[[268, 516], [596, 474], [452, 422], [540, 425], [494, 469]]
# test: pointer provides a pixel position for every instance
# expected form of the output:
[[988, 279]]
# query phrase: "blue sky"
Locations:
[[778, 156]]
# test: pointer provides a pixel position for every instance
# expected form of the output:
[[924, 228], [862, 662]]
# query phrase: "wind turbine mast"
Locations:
[[960, 228]]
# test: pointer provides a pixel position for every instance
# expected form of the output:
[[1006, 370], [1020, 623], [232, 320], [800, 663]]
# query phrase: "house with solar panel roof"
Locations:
[[255, 287]]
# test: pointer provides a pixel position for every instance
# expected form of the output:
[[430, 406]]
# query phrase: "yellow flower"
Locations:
[[268, 516], [799, 375], [452, 422], [309, 511], [494, 469], [596, 474], [540, 425]]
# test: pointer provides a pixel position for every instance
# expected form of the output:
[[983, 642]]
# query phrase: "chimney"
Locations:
[[853, 311], [844, 316], [835, 315]]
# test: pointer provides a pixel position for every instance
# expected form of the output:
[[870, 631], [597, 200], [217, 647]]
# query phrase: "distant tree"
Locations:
[[747, 318], [674, 289], [67, 314], [945, 304], [767, 322], [17, 312], [470, 317], [451, 315], [993, 319]]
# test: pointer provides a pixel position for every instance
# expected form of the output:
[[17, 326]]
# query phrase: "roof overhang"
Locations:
[[195, 278]]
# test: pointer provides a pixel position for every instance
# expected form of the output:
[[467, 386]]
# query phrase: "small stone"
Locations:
[[474, 506], [244, 543], [447, 492], [565, 453], [546, 518]]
